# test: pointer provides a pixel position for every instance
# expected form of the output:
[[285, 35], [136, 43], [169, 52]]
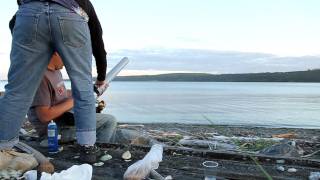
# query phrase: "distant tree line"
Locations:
[[297, 76]]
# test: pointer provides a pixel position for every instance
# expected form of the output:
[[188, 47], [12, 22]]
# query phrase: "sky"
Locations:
[[207, 36]]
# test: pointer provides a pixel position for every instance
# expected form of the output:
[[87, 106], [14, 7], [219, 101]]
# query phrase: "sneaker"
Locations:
[[89, 154]]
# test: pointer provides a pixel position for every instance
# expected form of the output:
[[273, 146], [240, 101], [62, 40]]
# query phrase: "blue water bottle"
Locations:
[[53, 146]]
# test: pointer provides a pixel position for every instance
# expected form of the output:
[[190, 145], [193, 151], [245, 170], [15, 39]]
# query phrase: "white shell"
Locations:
[[280, 168], [126, 155], [106, 157], [98, 164], [292, 170]]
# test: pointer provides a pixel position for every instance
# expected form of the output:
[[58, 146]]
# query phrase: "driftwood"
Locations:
[[225, 138], [213, 145], [310, 155]]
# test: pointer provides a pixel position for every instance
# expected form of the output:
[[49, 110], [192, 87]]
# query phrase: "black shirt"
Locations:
[[98, 49]]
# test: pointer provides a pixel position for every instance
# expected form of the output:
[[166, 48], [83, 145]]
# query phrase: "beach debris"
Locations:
[[176, 154], [168, 178], [292, 170], [30, 175], [106, 157], [142, 168], [293, 143], [286, 135], [76, 157], [60, 148], [10, 174], [282, 149], [312, 154], [17, 161], [280, 161], [98, 164], [131, 125], [212, 146], [280, 168], [126, 155], [83, 172], [314, 176], [140, 141], [155, 175], [206, 144], [243, 139]]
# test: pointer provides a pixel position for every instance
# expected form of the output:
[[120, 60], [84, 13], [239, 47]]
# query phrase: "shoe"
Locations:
[[89, 154]]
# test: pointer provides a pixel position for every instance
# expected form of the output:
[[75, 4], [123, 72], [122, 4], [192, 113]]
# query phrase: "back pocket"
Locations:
[[25, 29], [74, 31]]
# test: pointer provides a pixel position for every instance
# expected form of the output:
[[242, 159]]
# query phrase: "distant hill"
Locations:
[[297, 76]]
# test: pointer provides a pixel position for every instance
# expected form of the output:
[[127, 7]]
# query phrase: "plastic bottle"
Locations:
[[53, 146]]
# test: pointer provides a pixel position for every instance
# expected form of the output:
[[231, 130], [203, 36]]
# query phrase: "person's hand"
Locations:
[[100, 87], [99, 84]]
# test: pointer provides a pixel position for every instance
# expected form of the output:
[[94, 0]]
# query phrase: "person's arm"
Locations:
[[48, 113], [98, 48], [69, 92]]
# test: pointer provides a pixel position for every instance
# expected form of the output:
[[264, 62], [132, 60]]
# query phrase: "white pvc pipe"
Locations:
[[115, 70]]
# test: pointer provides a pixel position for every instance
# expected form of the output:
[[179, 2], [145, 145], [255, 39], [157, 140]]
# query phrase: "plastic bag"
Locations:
[[82, 172], [142, 168]]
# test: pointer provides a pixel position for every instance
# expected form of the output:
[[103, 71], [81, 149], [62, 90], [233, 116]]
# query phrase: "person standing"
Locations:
[[42, 27]]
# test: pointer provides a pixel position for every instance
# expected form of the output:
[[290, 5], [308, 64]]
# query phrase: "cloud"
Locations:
[[209, 61]]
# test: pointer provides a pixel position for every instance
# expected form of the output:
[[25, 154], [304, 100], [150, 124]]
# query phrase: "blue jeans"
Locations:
[[42, 28]]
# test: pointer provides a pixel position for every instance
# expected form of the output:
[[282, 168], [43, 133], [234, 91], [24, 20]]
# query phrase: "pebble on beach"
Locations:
[[98, 164], [292, 170], [126, 155], [106, 157], [280, 168], [280, 161]]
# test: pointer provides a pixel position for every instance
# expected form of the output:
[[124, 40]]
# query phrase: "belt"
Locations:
[[26, 1]]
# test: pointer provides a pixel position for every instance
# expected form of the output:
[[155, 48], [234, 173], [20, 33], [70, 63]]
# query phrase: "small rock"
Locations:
[[280, 161], [292, 170], [280, 168], [293, 143], [106, 157], [126, 155], [98, 164]]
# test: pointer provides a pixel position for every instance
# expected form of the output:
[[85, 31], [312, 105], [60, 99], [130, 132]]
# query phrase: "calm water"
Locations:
[[261, 104]]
